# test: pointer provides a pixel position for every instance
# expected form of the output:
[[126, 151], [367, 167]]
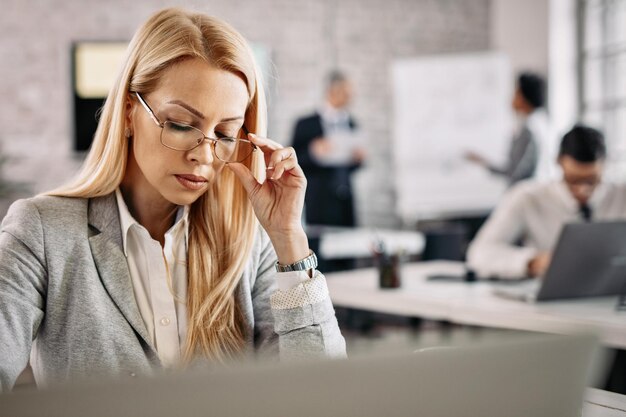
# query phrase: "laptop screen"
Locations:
[[526, 375]]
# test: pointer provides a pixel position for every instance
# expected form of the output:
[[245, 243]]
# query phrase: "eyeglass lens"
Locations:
[[184, 137]]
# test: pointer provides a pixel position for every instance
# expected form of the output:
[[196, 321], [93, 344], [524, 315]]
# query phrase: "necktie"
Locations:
[[585, 212]]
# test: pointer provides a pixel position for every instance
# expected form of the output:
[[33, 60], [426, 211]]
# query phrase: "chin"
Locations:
[[183, 198]]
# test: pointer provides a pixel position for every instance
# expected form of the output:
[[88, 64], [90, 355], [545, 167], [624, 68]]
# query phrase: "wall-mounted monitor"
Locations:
[[95, 64]]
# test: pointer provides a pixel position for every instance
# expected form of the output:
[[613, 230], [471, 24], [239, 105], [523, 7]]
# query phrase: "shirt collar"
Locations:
[[331, 114], [127, 220], [599, 193]]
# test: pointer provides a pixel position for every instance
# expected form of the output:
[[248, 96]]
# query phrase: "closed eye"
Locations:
[[221, 135], [179, 127], [227, 139]]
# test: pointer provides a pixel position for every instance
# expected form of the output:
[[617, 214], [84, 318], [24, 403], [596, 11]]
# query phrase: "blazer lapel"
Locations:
[[106, 246]]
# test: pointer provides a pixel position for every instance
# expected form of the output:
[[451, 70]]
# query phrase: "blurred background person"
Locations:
[[534, 213], [532, 152], [329, 149]]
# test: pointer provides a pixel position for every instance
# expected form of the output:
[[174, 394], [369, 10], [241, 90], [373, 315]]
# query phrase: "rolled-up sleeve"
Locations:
[[303, 315], [494, 252]]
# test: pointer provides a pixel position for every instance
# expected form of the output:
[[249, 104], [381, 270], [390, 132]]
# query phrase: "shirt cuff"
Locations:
[[288, 280], [312, 291]]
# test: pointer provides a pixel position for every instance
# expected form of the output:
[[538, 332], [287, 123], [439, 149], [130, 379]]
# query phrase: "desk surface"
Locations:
[[474, 303], [600, 403]]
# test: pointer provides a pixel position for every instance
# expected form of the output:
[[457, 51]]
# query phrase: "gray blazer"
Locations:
[[65, 285]]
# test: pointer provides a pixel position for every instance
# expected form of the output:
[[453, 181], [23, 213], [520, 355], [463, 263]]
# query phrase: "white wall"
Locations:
[[563, 88], [520, 29], [540, 35]]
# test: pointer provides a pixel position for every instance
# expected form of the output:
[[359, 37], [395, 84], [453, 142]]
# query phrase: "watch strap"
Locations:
[[310, 262]]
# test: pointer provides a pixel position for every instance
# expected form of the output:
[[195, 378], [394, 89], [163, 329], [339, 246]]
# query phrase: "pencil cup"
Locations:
[[389, 271]]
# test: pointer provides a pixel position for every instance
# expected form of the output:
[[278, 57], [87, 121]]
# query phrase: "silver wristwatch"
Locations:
[[310, 262]]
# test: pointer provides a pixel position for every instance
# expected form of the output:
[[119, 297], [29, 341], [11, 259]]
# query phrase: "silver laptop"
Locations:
[[534, 375], [589, 261]]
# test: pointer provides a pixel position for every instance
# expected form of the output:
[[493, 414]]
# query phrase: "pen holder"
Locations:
[[389, 271]]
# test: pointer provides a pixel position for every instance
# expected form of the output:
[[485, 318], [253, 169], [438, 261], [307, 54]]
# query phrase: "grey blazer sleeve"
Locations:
[[523, 158], [303, 317], [526, 154], [23, 278]]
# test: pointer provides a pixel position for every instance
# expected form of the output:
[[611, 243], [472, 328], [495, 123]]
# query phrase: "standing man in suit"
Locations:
[[532, 152], [328, 150]]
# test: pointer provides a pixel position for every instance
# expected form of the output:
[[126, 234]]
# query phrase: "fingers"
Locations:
[[277, 158], [289, 164], [245, 177], [281, 161], [267, 146]]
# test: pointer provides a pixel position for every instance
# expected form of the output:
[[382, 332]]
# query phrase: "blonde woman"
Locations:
[[152, 257]]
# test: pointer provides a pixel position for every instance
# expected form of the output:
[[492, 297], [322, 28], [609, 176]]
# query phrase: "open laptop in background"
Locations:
[[589, 261], [526, 375]]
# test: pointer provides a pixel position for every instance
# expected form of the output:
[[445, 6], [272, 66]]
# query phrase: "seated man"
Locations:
[[533, 213]]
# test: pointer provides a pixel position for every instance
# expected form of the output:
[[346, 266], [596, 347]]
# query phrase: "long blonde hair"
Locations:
[[221, 224]]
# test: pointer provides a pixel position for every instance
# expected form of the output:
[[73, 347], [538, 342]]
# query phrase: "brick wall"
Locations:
[[306, 37]]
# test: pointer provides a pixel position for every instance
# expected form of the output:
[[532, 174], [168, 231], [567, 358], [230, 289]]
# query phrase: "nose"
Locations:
[[202, 154]]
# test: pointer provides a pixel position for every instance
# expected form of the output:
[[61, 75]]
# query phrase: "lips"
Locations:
[[191, 182]]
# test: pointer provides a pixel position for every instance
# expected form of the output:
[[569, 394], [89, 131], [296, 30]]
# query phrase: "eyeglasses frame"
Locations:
[[204, 138]]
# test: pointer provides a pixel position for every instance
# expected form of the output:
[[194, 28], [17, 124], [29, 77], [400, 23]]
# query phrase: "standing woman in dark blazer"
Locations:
[[329, 199], [152, 257]]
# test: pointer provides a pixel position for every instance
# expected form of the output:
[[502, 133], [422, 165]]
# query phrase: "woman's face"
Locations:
[[195, 93]]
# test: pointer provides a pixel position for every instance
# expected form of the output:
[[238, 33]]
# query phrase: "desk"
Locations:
[[473, 303], [344, 242], [600, 403]]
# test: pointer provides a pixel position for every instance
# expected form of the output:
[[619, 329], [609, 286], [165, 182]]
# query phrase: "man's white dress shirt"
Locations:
[[534, 213]]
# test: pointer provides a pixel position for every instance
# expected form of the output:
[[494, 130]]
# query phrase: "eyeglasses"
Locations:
[[578, 182], [182, 137]]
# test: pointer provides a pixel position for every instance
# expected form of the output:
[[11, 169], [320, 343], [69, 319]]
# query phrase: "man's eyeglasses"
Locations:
[[182, 137], [577, 182]]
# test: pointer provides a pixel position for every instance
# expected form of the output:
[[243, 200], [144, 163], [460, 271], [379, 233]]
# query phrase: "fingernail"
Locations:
[[270, 167]]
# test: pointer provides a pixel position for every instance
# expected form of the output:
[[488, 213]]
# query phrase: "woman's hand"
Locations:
[[278, 202]]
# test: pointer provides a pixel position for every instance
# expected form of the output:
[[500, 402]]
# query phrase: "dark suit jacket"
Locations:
[[329, 193]]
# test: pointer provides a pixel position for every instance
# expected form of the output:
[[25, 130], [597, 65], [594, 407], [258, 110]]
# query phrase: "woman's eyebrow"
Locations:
[[187, 107], [232, 119], [199, 114]]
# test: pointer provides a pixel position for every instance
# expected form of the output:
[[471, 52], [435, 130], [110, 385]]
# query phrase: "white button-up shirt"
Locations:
[[535, 213], [159, 280]]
